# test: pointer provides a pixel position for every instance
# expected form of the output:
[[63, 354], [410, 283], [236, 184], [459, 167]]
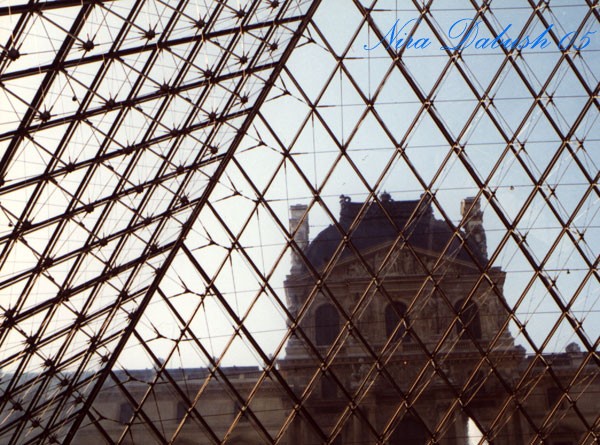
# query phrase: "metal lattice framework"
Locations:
[[151, 149]]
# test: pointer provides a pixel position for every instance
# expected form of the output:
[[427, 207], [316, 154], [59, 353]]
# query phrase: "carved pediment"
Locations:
[[401, 262]]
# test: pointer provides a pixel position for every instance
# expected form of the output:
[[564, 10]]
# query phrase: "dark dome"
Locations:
[[378, 228]]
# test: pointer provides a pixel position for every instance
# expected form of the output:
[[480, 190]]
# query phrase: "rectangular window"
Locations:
[[125, 412], [554, 394], [181, 410]]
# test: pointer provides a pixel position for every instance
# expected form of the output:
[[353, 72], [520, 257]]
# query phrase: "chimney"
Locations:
[[299, 221], [472, 215]]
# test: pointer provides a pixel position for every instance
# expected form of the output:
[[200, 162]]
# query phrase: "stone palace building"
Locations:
[[399, 340]]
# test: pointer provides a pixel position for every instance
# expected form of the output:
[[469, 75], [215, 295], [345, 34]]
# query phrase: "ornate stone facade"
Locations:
[[399, 339]]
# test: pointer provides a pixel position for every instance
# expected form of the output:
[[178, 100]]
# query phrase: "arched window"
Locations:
[[395, 314], [327, 324], [469, 320], [410, 431]]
